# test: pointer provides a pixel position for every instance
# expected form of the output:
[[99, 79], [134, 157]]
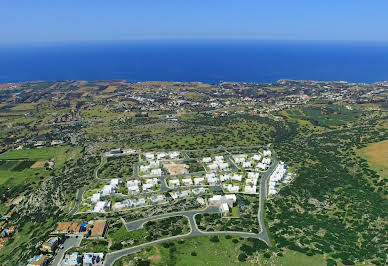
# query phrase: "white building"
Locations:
[[144, 168], [174, 183], [232, 188], [224, 208], [149, 156], [267, 153], [237, 177], [261, 166], [247, 164], [158, 199], [223, 166], [210, 175], [250, 189], [267, 161], [256, 157], [107, 190], [100, 206], [174, 155], [147, 187], [133, 183], [154, 164], [139, 202], [161, 155], [187, 181], [219, 158], [199, 181], [212, 181], [213, 166], [225, 177], [218, 200], [156, 172], [197, 191], [133, 189], [153, 181], [206, 160], [253, 175], [95, 197]]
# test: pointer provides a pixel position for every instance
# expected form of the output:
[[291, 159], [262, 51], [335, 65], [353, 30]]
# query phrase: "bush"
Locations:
[[194, 253], [214, 239], [242, 257]]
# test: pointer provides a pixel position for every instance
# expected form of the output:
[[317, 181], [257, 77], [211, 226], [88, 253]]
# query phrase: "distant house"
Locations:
[[225, 177], [224, 208], [219, 158], [149, 156], [187, 182], [236, 177], [218, 200], [210, 175], [50, 245], [72, 259], [206, 160], [199, 181], [147, 187], [107, 190], [90, 259], [158, 199], [213, 181], [250, 189], [139, 202], [95, 197], [100, 206], [246, 164], [232, 188], [197, 191], [267, 153], [174, 183], [156, 172], [174, 155]]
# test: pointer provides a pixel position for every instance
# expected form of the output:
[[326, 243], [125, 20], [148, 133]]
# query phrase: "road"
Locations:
[[78, 201], [69, 243], [194, 231]]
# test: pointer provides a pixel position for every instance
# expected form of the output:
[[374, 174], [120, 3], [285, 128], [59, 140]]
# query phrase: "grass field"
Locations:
[[59, 153], [377, 156], [203, 251]]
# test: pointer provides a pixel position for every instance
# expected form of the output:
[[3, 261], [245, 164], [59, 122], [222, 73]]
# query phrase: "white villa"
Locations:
[[250, 189], [174, 183], [100, 206], [199, 181], [187, 181]]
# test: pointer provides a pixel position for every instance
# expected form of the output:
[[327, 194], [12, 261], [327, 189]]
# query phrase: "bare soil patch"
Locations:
[[176, 169], [38, 164]]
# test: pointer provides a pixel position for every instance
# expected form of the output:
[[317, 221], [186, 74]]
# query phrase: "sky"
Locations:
[[24, 21]]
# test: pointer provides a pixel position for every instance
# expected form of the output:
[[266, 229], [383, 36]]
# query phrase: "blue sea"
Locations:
[[207, 61]]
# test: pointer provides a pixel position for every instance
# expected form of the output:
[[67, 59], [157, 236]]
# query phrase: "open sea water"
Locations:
[[207, 61]]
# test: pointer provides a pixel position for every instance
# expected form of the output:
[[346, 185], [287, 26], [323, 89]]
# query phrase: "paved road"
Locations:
[[78, 201], [263, 197], [69, 243], [134, 225]]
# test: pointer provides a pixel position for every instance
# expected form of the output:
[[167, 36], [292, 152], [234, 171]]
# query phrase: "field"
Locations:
[[59, 153], [377, 156], [16, 173], [221, 250]]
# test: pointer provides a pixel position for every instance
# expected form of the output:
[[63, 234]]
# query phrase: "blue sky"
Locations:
[[85, 20]]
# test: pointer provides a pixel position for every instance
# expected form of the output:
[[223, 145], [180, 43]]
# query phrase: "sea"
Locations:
[[209, 61]]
